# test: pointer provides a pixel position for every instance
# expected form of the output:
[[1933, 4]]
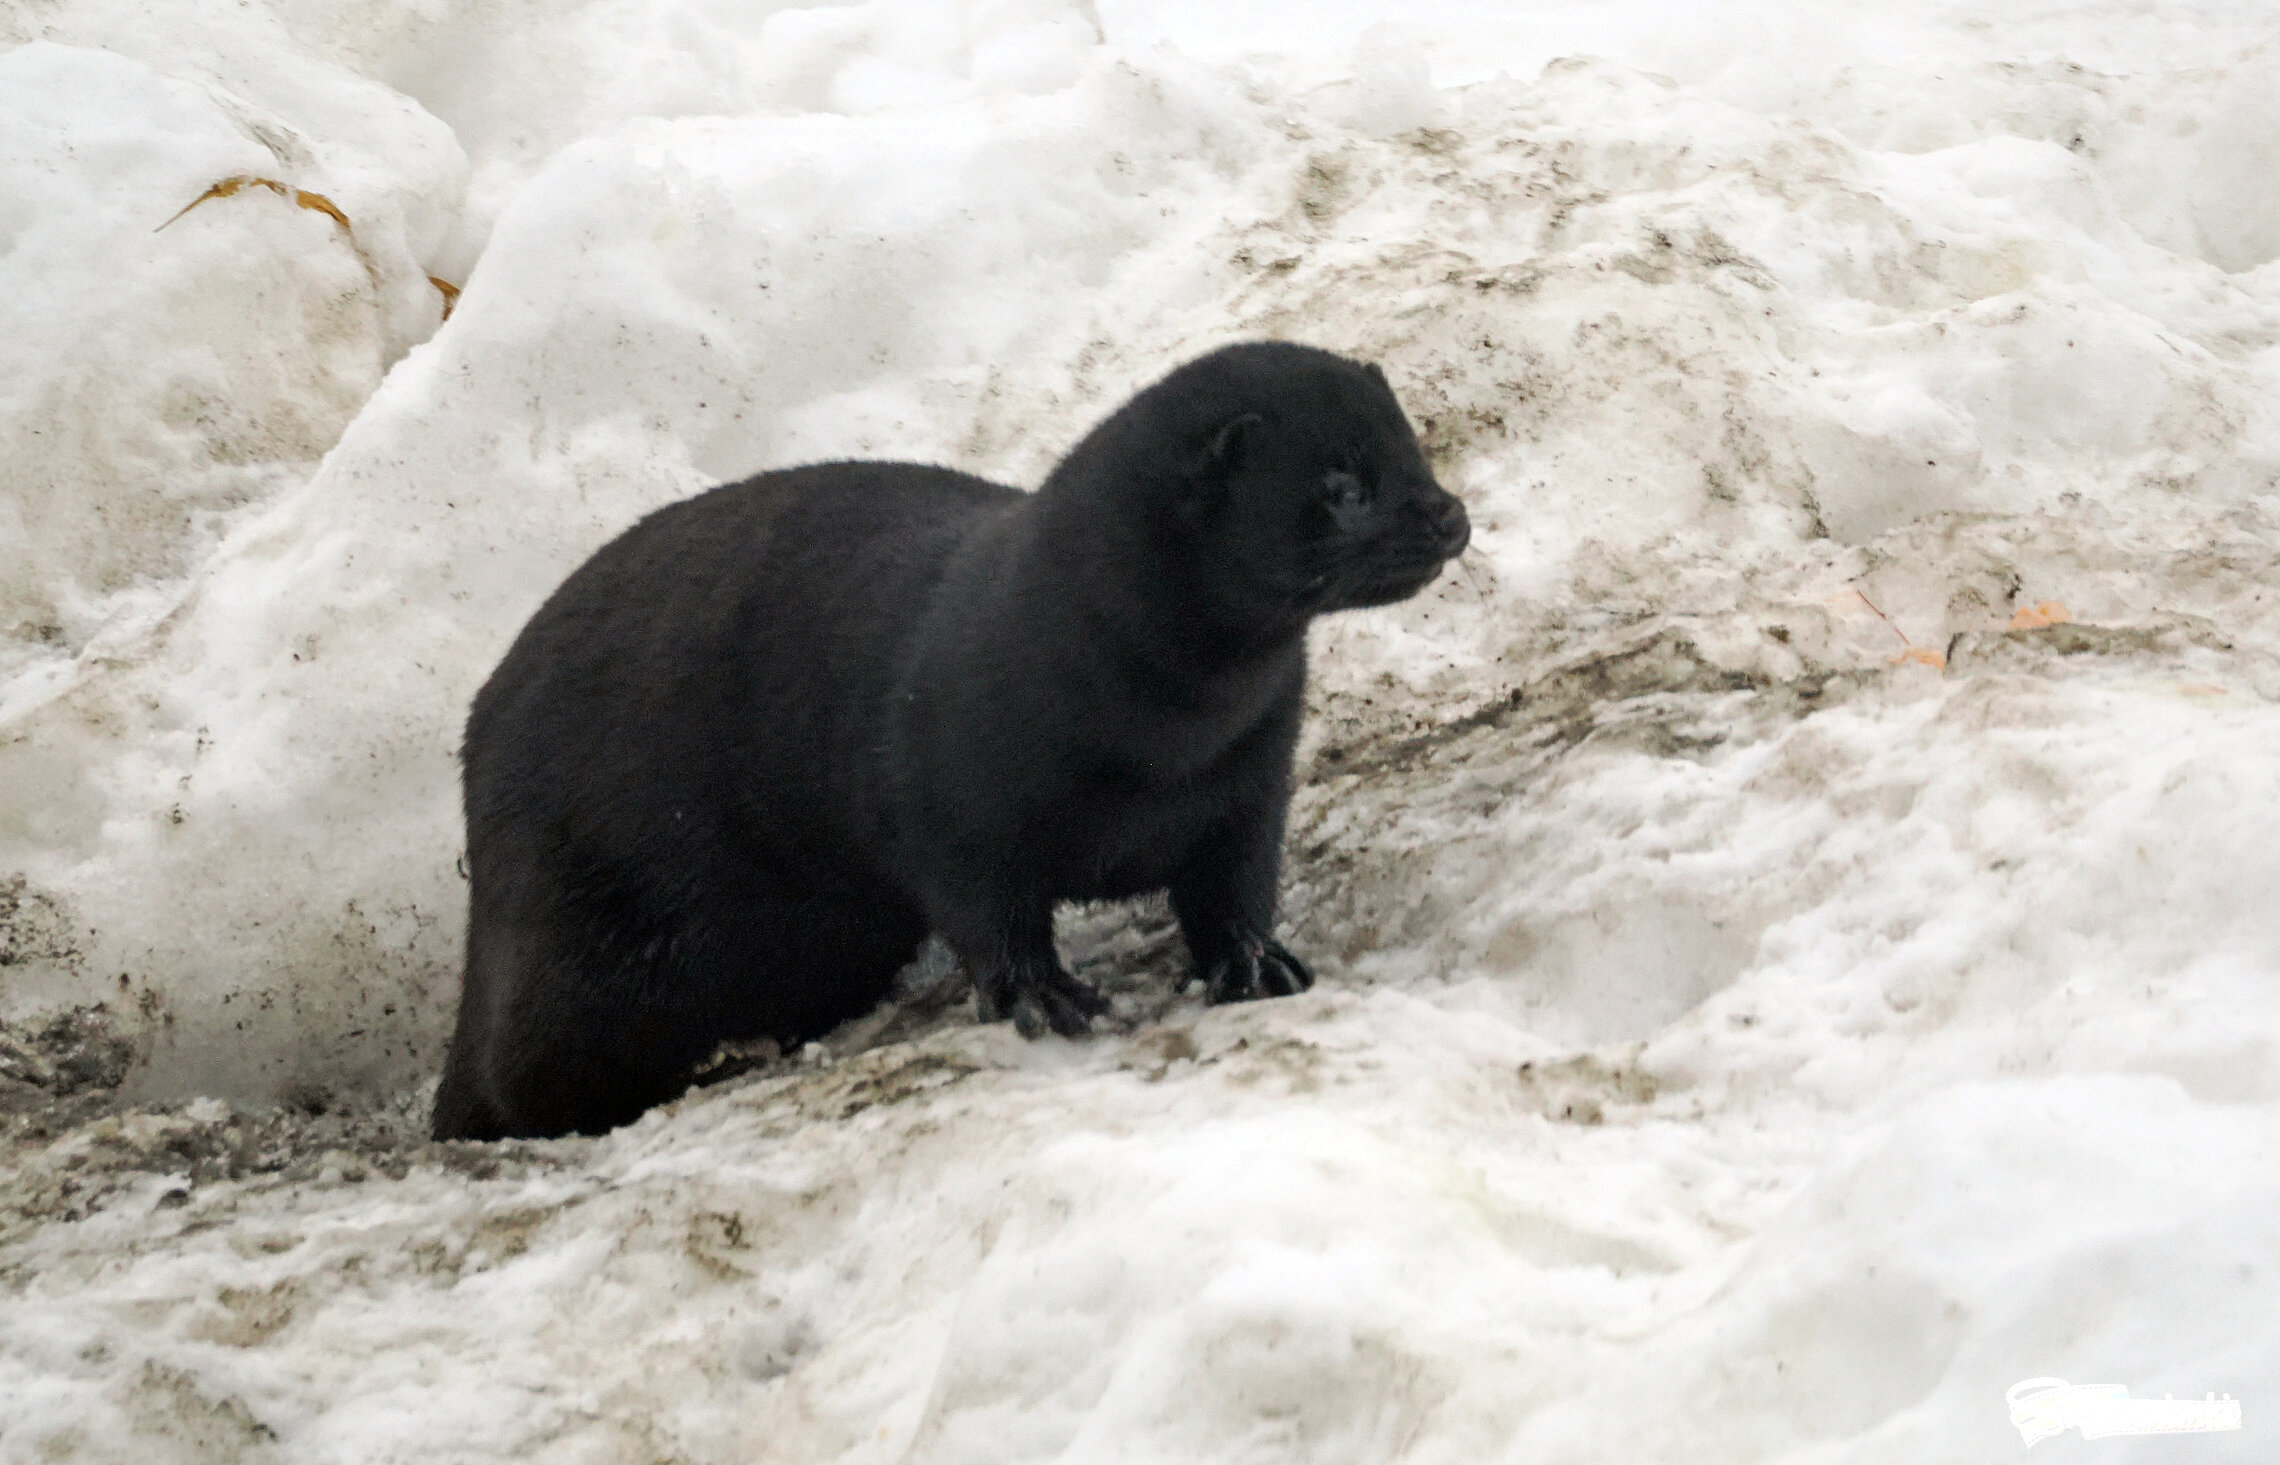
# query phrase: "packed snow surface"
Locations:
[[1798, 906]]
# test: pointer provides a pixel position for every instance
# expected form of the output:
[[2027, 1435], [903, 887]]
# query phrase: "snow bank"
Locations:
[[1793, 907]]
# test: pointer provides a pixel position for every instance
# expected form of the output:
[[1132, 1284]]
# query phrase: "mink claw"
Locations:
[[1051, 1001], [1258, 967]]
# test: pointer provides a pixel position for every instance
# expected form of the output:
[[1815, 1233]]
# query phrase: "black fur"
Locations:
[[747, 757]]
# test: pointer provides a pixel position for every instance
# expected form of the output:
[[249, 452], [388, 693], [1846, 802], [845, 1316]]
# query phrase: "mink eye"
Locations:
[[1348, 499]]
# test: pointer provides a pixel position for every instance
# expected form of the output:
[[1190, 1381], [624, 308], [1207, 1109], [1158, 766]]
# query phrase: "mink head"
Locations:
[[1302, 488]]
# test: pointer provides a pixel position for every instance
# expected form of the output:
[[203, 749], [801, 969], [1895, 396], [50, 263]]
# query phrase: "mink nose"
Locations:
[[1452, 525]]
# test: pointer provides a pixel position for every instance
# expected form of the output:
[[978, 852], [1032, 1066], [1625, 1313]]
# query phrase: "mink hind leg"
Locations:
[[569, 1024], [564, 1029]]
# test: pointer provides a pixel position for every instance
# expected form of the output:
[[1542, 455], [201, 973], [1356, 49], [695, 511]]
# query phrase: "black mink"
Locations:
[[748, 756]]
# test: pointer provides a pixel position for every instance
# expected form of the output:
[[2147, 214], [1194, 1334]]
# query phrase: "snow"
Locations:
[[1780, 988]]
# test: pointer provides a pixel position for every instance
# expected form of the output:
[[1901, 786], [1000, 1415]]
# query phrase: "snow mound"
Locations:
[[1793, 904]]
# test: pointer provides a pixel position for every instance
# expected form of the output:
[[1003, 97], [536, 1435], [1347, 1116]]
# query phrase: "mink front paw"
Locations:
[[1259, 966], [1038, 999]]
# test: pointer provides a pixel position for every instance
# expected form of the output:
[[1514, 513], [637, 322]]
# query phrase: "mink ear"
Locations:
[[1379, 372], [1225, 455], [1222, 458]]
